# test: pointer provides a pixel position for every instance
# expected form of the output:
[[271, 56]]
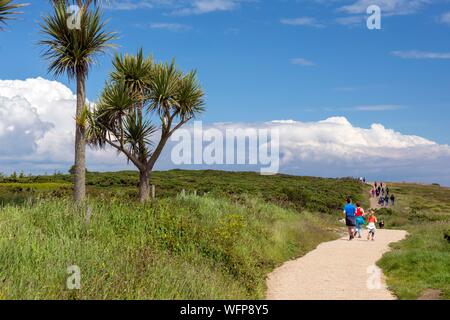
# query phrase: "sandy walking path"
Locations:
[[336, 270]]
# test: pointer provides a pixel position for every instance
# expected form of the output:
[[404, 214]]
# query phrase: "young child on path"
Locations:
[[359, 219], [371, 226]]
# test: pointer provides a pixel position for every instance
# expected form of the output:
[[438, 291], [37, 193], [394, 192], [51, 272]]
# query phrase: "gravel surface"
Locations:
[[336, 270]]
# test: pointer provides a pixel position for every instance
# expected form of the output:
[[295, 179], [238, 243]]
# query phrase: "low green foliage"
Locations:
[[300, 193], [422, 260], [178, 248]]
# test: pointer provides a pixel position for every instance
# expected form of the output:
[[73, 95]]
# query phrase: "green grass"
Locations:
[[175, 248], [299, 193], [422, 260]]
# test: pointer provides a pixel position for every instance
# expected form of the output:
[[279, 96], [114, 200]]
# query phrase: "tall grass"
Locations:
[[422, 260], [179, 248]]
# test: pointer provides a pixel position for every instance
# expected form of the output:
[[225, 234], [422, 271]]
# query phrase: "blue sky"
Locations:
[[305, 60], [244, 55]]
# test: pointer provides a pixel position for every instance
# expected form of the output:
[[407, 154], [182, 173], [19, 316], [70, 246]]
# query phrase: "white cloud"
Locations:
[[378, 107], [178, 7], [302, 62], [350, 20], [445, 18], [207, 6], [37, 126], [388, 7], [356, 12], [303, 21], [130, 4], [36, 135], [20, 127], [414, 54], [334, 147], [174, 27]]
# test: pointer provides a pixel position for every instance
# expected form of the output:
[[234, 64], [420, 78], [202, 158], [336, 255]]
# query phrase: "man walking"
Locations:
[[350, 217]]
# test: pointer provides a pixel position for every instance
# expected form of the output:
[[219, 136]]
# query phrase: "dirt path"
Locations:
[[336, 270]]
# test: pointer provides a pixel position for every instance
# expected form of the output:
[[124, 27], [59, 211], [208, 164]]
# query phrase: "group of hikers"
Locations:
[[382, 192], [356, 217]]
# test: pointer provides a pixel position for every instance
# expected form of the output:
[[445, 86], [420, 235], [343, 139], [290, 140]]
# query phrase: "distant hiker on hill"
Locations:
[[359, 219], [386, 200], [350, 217], [373, 193], [387, 190], [376, 185], [392, 199], [381, 201], [371, 226]]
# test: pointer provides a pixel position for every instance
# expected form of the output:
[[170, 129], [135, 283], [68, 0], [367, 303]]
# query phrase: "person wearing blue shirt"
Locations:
[[350, 218]]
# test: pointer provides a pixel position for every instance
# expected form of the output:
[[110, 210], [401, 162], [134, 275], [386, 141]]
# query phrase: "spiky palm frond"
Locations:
[[163, 87], [96, 131], [116, 101], [189, 96], [8, 10], [134, 70], [137, 132], [72, 51]]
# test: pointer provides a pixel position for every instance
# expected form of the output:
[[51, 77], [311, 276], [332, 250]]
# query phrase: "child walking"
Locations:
[[371, 226], [359, 219]]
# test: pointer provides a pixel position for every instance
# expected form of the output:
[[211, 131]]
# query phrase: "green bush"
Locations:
[[313, 194]]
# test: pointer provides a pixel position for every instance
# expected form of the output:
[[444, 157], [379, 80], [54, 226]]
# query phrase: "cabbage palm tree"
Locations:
[[72, 52], [7, 9], [139, 90]]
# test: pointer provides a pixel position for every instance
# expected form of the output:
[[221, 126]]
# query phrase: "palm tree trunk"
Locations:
[[80, 143], [144, 186]]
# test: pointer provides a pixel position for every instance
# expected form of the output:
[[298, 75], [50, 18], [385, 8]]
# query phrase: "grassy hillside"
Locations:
[[422, 261], [300, 193], [220, 244], [177, 248]]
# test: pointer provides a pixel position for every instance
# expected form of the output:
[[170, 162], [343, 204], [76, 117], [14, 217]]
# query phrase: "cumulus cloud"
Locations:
[[334, 147], [37, 134], [20, 127], [37, 126]]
